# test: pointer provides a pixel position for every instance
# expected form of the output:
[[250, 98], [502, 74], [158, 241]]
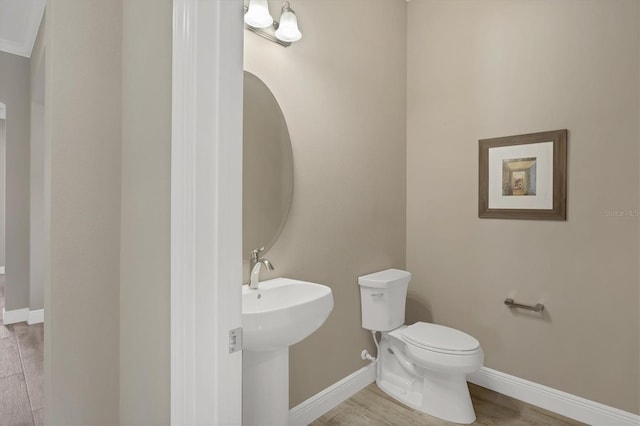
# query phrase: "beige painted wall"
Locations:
[[83, 123], [37, 64], [3, 186], [145, 232], [482, 69], [342, 92], [102, 219], [37, 172], [36, 207], [14, 93]]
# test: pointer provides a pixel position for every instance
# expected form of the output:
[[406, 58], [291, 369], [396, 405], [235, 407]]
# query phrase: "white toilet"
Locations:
[[422, 365]]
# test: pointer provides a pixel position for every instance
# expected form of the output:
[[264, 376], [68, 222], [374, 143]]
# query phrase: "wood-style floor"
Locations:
[[21, 362], [371, 406]]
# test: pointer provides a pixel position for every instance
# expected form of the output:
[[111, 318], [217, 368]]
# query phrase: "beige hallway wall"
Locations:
[[37, 213], [15, 94], [110, 191], [482, 69], [3, 147], [38, 178], [145, 232], [342, 92], [83, 123]]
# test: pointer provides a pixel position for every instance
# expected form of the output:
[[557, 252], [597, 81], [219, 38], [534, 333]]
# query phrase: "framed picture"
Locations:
[[524, 176]]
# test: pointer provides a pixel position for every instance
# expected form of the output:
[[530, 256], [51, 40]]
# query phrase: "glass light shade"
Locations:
[[258, 15], [288, 29]]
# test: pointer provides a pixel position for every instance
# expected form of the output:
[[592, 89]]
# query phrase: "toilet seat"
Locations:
[[441, 339]]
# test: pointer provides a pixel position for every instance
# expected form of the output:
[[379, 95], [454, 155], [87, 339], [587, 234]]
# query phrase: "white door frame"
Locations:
[[206, 211]]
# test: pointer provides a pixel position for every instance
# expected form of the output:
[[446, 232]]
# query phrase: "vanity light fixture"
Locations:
[[258, 20], [288, 28], [257, 15]]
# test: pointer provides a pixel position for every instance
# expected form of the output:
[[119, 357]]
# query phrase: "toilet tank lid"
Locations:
[[384, 279]]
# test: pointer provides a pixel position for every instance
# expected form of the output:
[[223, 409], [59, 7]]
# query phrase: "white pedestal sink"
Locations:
[[278, 314]]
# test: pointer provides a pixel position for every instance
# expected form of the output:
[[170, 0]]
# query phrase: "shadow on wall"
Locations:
[[417, 309]]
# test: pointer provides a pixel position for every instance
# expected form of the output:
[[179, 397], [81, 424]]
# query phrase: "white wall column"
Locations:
[[206, 212]]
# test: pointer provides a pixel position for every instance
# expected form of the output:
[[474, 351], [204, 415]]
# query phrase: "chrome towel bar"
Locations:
[[539, 307]]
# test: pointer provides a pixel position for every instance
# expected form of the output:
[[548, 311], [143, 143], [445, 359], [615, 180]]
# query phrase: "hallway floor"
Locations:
[[371, 406], [21, 366]]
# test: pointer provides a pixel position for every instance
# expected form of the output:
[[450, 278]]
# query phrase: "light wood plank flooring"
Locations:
[[371, 406], [21, 363]]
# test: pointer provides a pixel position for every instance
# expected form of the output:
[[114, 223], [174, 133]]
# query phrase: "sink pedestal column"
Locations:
[[265, 387]]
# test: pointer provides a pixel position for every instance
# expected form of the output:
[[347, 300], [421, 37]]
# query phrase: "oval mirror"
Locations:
[[267, 167]]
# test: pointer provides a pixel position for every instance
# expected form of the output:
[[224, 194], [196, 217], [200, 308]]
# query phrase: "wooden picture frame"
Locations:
[[523, 176]]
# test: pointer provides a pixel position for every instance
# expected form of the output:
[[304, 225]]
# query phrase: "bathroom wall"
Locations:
[[342, 92], [3, 147], [38, 178], [84, 133], [14, 93], [107, 305], [482, 69], [37, 188], [146, 228], [24, 227]]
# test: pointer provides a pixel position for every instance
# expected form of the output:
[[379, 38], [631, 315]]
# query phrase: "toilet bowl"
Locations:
[[423, 365]]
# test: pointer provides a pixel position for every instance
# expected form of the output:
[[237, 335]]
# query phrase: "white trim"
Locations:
[[15, 315], [554, 400], [324, 401], [34, 27], [206, 211], [1, 270], [35, 317], [14, 48], [3, 111], [26, 47], [182, 232]]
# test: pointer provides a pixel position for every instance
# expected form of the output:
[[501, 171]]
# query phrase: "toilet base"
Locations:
[[448, 400], [447, 397], [442, 395]]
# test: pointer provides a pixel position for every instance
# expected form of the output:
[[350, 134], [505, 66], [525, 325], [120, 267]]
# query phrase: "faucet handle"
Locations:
[[255, 254]]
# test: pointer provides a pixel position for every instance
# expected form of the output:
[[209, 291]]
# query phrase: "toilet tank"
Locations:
[[382, 296]]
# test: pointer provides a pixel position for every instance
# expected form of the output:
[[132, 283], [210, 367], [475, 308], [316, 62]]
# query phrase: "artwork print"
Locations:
[[519, 176]]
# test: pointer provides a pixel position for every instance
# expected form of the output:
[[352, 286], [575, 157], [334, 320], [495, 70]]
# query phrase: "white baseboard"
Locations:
[[323, 402], [15, 315], [36, 316], [559, 402], [22, 315]]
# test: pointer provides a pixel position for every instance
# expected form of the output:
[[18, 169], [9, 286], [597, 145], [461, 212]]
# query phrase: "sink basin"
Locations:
[[282, 312]]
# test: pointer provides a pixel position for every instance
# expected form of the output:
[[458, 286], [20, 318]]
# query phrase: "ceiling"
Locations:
[[19, 23]]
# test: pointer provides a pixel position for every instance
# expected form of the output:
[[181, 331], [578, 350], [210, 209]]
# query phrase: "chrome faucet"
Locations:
[[255, 266]]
